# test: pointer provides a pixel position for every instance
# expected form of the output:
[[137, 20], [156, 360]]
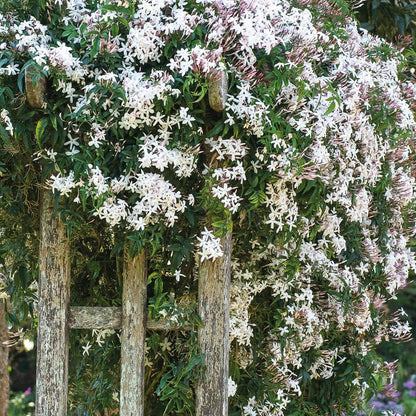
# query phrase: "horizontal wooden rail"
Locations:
[[109, 317], [87, 317]]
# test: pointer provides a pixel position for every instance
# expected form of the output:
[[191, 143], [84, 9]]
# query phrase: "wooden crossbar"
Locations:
[[109, 317], [94, 317]]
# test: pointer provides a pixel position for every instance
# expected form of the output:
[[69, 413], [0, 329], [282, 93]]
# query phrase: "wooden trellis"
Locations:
[[57, 317]]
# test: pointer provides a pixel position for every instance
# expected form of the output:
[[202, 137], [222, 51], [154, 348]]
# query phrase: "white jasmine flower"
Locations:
[[209, 246], [86, 349], [232, 387]]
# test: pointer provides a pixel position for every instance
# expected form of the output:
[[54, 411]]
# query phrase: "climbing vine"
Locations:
[[310, 164]]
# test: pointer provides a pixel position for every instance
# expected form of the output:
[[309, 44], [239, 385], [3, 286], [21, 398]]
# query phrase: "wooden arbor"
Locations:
[[57, 317]]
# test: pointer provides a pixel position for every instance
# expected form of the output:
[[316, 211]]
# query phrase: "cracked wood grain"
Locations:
[[35, 84], [217, 92], [54, 283], [109, 317], [214, 309], [133, 334]]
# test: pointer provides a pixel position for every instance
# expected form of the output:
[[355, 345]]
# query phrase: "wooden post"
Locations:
[[217, 92], [4, 360], [35, 83], [133, 334], [54, 284], [214, 309]]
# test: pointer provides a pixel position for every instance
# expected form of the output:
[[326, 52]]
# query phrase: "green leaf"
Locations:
[[11, 317], [115, 30], [158, 288], [40, 129], [95, 47], [54, 121], [118, 9], [258, 198], [220, 224], [331, 108], [123, 22], [218, 128], [20, 81], [5, 136]]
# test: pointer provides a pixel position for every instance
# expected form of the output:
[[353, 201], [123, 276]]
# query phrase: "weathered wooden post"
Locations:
[[35, 84], [217, 91], [133, 334], [214, 309], [54, 284], [214, 282], [4, 360]]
